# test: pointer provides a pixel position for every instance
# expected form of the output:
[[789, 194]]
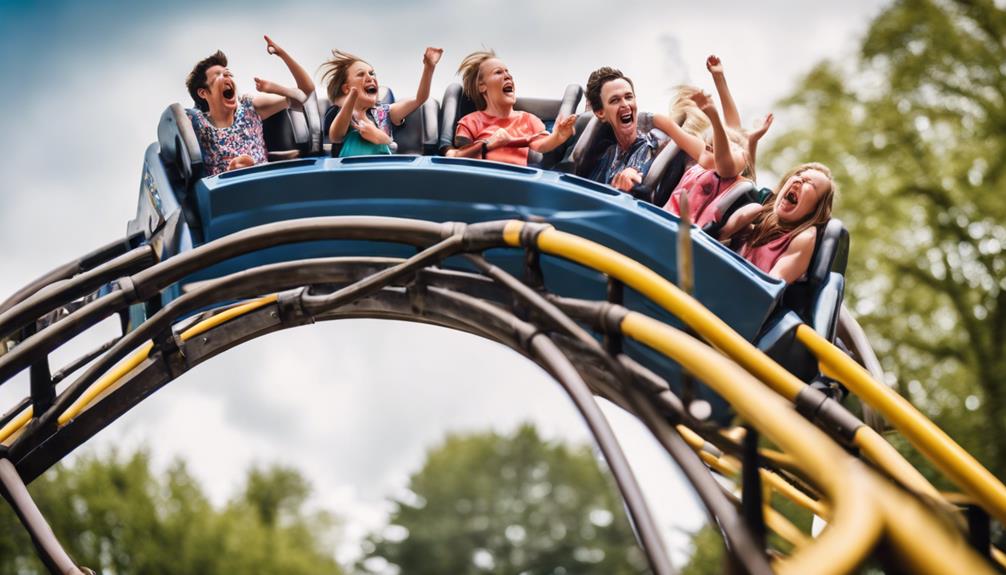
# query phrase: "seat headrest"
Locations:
[[179, 147], [741, 193], [831, 253]]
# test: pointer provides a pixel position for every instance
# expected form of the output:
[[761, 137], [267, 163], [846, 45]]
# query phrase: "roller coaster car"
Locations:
[[179, 210], [456, 105]]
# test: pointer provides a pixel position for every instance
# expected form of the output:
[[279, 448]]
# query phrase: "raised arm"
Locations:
[[730, 114], [729, 163], [300, 76], [273, 97], [399, 110], [561, 132], [794, 262], [692, 145], [337, 131], [754, 137]]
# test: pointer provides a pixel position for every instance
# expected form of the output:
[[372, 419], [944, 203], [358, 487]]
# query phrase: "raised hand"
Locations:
[[705, 102], [714, 65], [432, 56], [267, 86], [761, 128], [565, 127], [627, 178], [272, 47]]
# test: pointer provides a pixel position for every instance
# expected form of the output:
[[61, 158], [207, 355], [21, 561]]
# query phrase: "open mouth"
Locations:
[[508, 88], [625, 118], [228, 92], [371, 90], [791, 198]]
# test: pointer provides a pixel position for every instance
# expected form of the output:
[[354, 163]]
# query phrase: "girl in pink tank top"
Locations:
[[719, 166], [779, 237]]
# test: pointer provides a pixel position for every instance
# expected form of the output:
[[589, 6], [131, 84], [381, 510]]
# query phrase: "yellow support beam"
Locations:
[[141, 354], [949, 457], [704, 323], [856, 527]]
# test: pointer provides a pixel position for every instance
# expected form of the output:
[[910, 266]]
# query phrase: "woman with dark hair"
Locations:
[[496, 131], [229, 128], [779, 237]]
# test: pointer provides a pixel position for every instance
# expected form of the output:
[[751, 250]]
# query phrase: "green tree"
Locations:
[[490, 503], [113, 514], [914, 128]]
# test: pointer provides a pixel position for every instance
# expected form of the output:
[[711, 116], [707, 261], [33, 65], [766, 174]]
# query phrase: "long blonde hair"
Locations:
[[469, 70], [337, 72], [767, 226], [695, 122]]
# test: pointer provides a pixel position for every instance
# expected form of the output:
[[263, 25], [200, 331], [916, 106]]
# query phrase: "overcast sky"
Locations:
[[355, 404]]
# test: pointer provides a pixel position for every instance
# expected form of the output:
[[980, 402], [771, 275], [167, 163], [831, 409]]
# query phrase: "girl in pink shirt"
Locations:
[[720, 165], [496, 131], [779, 237]]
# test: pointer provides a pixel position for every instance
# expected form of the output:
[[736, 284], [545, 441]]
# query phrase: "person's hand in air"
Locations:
[[714, 65], [761, 128], [565, 127], [432, 56], [273, 48]]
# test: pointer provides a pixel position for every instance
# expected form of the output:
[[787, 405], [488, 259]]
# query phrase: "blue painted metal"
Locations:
[[451, 189]]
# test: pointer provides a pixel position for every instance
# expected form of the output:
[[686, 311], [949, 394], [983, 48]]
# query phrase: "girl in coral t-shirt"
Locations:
[[497, 131]]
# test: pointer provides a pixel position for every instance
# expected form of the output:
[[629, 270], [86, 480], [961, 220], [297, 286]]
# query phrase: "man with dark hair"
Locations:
[[626, 159], [229, 128]]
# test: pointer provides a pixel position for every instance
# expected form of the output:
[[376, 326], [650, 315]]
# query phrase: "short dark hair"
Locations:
[[598, 78], [197, 77]]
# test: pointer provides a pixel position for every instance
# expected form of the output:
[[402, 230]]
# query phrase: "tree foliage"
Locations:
[[914, 128], [489, 503], [115, 515]]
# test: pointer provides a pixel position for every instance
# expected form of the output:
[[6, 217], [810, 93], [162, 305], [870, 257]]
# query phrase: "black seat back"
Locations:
[[741, 193], [456, 105], [817, 297], [179, 147]]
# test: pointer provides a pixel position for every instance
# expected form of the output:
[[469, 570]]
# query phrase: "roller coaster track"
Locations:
[[822, 457]]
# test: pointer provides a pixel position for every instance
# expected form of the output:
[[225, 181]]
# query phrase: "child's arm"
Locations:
[[370, 132], [794, 262], [691, 144], [729, 164], [337, 131], [753, 138], [466, 148], [730, 113], [561, 132], [399, 110], [739, 220]]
